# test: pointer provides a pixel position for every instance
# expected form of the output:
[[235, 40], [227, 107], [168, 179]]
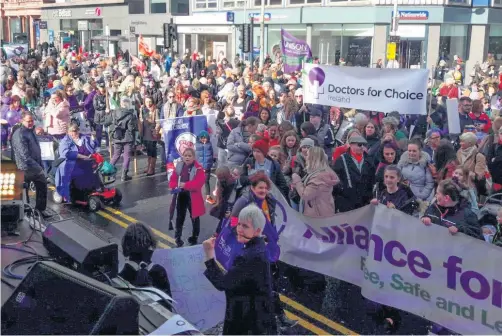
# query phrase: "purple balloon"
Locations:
[[13, 117], [317, 74]]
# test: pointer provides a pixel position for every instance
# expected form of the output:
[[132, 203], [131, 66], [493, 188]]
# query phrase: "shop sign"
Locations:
[[83, 25], [42, 24], [61, 13], [413, 15], [257, 17], [204, 30], [93, 11], [230, 17]]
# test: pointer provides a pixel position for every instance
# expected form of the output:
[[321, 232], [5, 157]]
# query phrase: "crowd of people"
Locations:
[[323, 159]]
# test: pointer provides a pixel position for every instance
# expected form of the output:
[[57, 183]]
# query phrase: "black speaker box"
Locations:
[[54, 300], [79, 249]]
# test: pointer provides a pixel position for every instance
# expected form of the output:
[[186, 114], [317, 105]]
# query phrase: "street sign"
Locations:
[[42, 24], [394, 38], [132, 29], [230, 17]]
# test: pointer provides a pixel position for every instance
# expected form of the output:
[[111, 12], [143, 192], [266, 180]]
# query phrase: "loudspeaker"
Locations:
[[54, 300], [79, 249]]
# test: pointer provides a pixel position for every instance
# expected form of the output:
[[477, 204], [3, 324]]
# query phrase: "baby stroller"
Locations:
[[94, 199], [487, 214]]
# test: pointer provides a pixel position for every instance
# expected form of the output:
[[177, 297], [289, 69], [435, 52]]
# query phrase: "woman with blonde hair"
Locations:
[[469, 157], [58, 113], [316, 188]]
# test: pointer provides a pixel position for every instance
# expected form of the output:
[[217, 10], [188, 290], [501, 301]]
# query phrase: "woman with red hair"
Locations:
[[254, 106]]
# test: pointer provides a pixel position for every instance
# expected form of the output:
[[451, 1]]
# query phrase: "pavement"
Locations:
[[322, 305]]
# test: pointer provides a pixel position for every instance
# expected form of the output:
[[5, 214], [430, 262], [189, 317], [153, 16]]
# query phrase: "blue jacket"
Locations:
[[69, 151], [204, 154]]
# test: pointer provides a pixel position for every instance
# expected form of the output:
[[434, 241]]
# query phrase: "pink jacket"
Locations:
[[59, 117], [194, 186]]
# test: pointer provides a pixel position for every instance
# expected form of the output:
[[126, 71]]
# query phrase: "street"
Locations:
[[322, 305]]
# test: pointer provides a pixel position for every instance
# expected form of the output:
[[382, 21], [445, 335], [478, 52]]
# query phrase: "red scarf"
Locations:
[[358, 157]]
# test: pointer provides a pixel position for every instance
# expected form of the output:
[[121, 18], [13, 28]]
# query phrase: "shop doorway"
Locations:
[[411, 54]]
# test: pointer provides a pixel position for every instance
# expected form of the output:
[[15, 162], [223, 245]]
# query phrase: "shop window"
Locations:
[[136, 7], [257, 3], [334, 43], [495, 42], [304, 2], [233, 3], [206, 4], [158, 7], [453, 41]]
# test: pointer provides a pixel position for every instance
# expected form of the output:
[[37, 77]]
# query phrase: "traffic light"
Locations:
[[241, 37], [170, 34], [167, 39], [246, 38]]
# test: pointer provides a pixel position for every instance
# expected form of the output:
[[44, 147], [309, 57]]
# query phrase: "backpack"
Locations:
[[143, 278]]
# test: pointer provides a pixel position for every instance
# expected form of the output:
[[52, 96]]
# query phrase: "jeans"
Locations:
[[120, 148], [222, 157], [183, 205], [40, 182], [163, 157], [206, 184], [99, 135]]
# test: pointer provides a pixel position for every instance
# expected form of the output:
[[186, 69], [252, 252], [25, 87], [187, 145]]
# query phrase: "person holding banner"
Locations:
[[248, 283]]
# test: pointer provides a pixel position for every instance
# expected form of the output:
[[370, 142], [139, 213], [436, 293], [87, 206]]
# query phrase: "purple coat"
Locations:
[[72, 100], [88, 106]]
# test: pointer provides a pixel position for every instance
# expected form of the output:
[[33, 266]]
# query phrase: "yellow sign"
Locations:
[[391, 51]]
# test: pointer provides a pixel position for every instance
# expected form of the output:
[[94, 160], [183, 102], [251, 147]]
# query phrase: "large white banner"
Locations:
[[383, 90]]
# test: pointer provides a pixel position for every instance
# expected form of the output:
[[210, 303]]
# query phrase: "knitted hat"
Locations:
[[204, 134], [307, 142], [262, 145]]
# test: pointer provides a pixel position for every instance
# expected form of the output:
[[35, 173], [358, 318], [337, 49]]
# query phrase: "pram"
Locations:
[[94, 199], [487, 214]]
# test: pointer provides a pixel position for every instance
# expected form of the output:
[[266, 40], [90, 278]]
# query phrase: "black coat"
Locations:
[[460, 215], [99, 104], [357, 193], [123, 125], [27, 151], [494, 162], [248, 291]]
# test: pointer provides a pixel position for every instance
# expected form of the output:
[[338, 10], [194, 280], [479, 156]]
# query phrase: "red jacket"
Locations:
[[271, 142], [194, 186], [482, 119], [339, 151]]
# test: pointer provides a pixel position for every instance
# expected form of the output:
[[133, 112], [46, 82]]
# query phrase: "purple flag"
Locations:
[[294, 52]]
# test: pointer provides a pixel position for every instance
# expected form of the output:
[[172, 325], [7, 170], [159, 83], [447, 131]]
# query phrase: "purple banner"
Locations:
[[294, 51]]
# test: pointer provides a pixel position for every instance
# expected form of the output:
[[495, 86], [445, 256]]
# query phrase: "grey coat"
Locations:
[[238, 148], [27, 151], [418, 175]]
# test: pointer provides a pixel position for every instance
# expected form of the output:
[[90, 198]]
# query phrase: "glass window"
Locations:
[[348, 43], [136, 7], [204, 4], [158, 6], [274, 37], [495, 42], [257, 3], [453, 41], [233, 3], [303, 2]]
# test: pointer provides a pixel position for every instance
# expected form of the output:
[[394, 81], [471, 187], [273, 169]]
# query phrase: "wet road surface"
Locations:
[[322, 305]]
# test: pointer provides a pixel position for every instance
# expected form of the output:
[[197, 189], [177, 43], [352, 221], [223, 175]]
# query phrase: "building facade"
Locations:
[[19, 21]]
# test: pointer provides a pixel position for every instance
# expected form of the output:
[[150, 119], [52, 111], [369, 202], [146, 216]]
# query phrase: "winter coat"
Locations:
[[59, 117], [316, 191], [495, 163], [418, 175], [355, 189], [68, 150], [223, 129], [99, 104], [403, 199], [123, 125], [248, 291], [204, 154], [89, 106], [238, 149], [461, 216], [27, 151], [483, 119], [173, 110], [276, 175], [475, 162], [194, 186]]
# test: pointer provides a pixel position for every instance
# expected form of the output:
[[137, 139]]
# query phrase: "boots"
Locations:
[[125, 177], [151, 166], [192, 241]]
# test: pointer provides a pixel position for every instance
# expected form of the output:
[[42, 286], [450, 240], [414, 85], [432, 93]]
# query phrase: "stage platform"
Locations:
[[152, 314]]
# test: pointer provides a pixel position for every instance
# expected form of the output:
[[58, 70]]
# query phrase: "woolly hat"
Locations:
[[262, 145], [204, 134], [307, 142]]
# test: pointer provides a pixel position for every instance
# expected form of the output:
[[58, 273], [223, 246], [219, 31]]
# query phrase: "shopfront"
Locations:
[[209, 34], [78, 26]]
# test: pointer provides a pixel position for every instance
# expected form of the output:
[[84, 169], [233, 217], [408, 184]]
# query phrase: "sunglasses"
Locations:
[[359, 144]]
